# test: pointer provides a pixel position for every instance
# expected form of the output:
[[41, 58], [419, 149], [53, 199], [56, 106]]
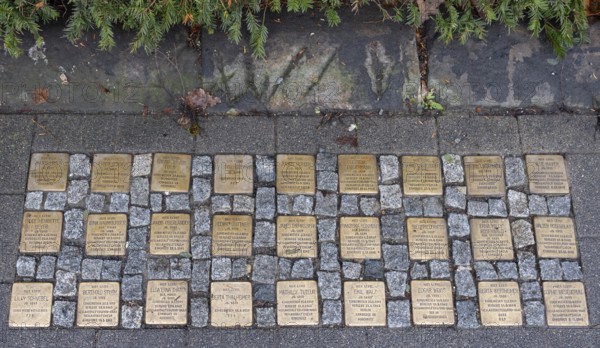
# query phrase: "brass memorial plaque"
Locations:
[[111, 173], [171, 172], [169, 234], [547, 174], [230, 304], [364, 303], [360, 238], [48, 172], [555, 237], [432, 302], [296, 174], [422, 176], [500, 303], [297, 303], [232, 235], [106, 234], [30, 305], [234, 174], [485, 175], [166, 302], [98, 304], [565, 304], [41, 232], [492, 239], [297, 236], [427, 238], [358, 174]]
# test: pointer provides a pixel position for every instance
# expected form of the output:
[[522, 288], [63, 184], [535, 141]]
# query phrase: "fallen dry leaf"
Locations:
[[40, 95], [198, 99], [347, 140]]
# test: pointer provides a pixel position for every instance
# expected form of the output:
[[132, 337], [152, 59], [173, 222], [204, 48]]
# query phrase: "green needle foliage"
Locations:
[[563, 22]]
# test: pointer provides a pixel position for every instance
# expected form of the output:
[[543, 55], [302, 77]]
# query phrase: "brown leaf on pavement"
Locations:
[[40, 95], [347, 140]]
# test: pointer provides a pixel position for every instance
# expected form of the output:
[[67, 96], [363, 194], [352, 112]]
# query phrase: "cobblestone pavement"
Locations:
[[158, 249]]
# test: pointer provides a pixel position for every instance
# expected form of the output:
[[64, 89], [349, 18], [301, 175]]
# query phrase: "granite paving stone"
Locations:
[[157, 268], [132, 288], [202, 221], [201, 190], [156, 202], [332, 312], [396, 283], [264, 234], [264, 293], [46, 267], [119, 202], [413, 206], [265, 169], [522, 233], [497, 207], [389, 169], [95, 203], [349, 205], [392, 228], [453, 169], [302, 269], [439, 269], [477, 208], [222, 204], [329, 257], [461, 253], [571, 270], [535, 313], [181, 268], [515, 172], [265, 317], [200, 275], [111, 270], [243, 204], [79, 166], [517, 204], [142, 165], [391, 196], [202, 166], [395, 257], [432, 207], [221, 268], [63, 314], [69, 259], [465, 286], [458, 225], [326, 204], [419, 271], [326, 161], [507, 270], [77, 192], [91, 269], [55, 201], [139, 216], [327, 181], [551, 269], [327, 230], [303, 205], [374, 269], [466, 312], [265, 203], [560, 206], [136, 262], [140, 191], [284, 204], [351, 270], [264, 270], [26, 266], [66, 284], [485, 271], [285, 268], [239, 268], [199, 312], [369, 206], [137, 238], [527, 269], [330, 285], [531, 291], [33, 200], [131, 316], [398, 314], [537, 205], [177, 202], [456, 197]]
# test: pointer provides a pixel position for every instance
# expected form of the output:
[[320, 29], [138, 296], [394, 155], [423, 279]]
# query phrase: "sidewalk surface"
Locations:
[[507, 97]]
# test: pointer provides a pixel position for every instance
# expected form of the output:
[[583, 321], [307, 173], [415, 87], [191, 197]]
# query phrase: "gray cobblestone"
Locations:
[[398, 314], [330, 285], [156, 202], [199, 312], [55, 201], [200, 275], [389, 167], [264, 234], [239, 269], [326, 161], [458, 225], [461, 253], [327, 181], [326, 204], [534, 314], [550, 269], [142, 165], [265, 203], [537, 205], [418, 271], [265, 317], [137, 238], [351, 270], [571, 270], [477, 208], [396, 283], [327, 230], [527, 269], [73, 224], [303, 269], [285, 269], [243, 204], [284, 204], [181, 268], [221, 268], [264, 293], [485, 271], [95, 203], [531, 291], [158, 268], [45, 269], [139, 217], [202, 221], [265, 169], [413, 206], [91, 269], [329, 257], [264, 270], [453, 169], [136, 262], [439, 269], [522, 233], [373, 269], [69, 259], [66, 284], [178, 202], [515, 172], [395, 257], [517, 203], [465, 286], [26, 266], [507, 270], [432, 207], [369, 206], [456, 197], [77, 192], [221, 204], [349, 205], [202, 166], [392, 228], [559, 206], [119, 203], [131, 316], [201, 247], [332, 312], [79, 166], [391, 196], [303, 205], [63, 313], [466, 312], [201, 190], [140, 191], [131, 288], [33, 200], [497, 207]]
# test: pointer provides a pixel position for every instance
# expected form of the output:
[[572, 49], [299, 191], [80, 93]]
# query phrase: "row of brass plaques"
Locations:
[[297, 236], [422, 175], [298, 303]]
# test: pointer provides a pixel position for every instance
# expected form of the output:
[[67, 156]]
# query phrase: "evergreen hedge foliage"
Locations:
[[563, 22]]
